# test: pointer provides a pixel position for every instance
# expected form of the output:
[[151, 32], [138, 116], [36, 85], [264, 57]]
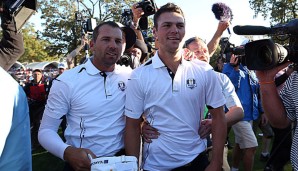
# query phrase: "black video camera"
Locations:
[[126, 17], [227, 49], [149, 7], [87, 25], [265, 54]]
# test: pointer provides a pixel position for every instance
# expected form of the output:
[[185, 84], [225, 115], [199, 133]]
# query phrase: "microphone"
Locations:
[[251, 30], [222, 12], [280, 29]]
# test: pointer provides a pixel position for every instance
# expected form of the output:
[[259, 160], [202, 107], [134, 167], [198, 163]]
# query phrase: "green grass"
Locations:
[[44, 161]]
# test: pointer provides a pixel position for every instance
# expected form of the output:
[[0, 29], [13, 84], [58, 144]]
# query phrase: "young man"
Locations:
[[199, 50], [247, 89], [92, 96], [172, 93]]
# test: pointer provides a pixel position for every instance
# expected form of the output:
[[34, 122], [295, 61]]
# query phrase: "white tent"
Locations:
[[43, 65]]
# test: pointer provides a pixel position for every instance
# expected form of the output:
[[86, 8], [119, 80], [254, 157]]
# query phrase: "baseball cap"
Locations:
[[61, 65], [130, 35]]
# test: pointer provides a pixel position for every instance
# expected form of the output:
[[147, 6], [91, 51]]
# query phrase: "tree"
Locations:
[[279, 11], [34, 48], [63, 29]]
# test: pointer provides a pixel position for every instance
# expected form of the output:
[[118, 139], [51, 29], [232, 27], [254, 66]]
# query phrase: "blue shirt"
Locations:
[[15, 151], [247, 88]]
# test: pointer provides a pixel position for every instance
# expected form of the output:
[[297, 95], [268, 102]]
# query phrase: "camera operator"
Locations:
[[14, 122], [247, 89], [281, 109]]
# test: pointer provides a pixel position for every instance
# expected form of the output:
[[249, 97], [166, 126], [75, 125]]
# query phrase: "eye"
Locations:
[[166, 25], [180, 26], [118, 41], [105, 39]]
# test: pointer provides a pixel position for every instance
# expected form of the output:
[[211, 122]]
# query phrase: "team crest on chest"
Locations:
[[121, 86], [191, 83]]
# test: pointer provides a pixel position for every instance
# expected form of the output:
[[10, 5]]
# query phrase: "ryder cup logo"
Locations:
[[191, 83], [121, 86]]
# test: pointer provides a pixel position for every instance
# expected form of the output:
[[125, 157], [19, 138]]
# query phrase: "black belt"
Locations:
[[200, 161], [120, 152]]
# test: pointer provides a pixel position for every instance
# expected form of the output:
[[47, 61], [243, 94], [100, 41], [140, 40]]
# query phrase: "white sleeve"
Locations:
[[229, 91], [57, 106], [215, 97], [49, 138], [134, 103], [58, 103]]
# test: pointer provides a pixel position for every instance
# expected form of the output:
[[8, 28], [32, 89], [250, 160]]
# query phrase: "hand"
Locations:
[[188, 55], [78, 158], [205, 128], [233, 59], [291, 68], [264, 119], [149, 132], [222, 26], [84, 39], [137, 13], [269, 75]]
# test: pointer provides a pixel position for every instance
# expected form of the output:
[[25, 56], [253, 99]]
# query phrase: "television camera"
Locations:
[[149, 7], [227, 49], [266, 54], [87, 24]]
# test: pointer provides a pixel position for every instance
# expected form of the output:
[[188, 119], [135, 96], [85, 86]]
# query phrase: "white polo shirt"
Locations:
[[174, 106], [93, 106]]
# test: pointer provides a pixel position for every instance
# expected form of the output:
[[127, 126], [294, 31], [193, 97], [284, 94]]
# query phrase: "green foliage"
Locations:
[[279, 11], [34, 48], [63, 31]]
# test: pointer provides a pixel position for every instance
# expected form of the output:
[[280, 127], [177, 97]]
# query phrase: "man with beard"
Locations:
[[92, 97]]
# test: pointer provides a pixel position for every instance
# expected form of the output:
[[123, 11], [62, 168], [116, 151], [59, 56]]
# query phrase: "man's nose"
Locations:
[[174, 29]]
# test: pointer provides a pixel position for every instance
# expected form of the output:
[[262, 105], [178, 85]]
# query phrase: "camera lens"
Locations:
[[149, 8]]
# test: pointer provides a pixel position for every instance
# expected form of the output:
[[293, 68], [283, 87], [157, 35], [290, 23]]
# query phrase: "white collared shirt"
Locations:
[[174, 107], [93, 106]]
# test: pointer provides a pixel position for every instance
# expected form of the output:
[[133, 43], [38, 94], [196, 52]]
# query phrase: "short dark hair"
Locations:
[[169, 7], [37, 70], [96, 29], [193, 39]]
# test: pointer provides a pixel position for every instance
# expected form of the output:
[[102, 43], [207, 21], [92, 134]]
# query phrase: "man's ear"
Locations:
[[154, 33]]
